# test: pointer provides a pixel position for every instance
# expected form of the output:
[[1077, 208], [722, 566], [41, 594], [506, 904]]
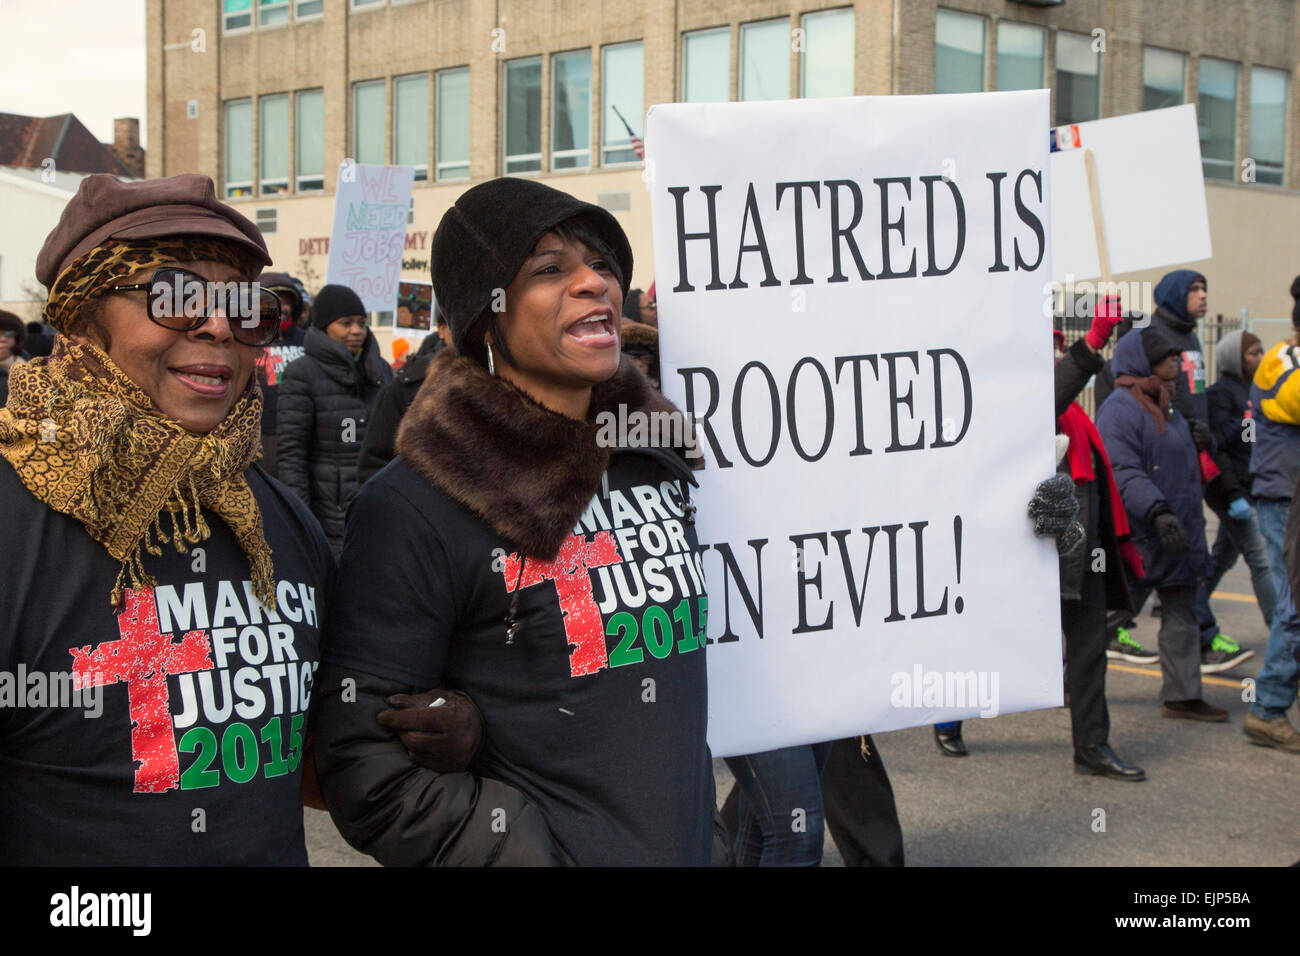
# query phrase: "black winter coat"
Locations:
[[325, 402], [1229, 399], [379, 447], [498, 507]]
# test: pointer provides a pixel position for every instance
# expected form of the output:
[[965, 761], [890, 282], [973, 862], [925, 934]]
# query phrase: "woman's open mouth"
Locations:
[[595, 330]]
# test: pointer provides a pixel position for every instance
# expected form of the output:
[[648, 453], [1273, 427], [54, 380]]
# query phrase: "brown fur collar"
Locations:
[[526, 471]]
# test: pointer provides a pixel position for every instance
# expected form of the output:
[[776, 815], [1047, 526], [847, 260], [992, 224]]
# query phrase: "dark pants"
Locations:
[[1179, 640], [859, 804], [1084, 624]]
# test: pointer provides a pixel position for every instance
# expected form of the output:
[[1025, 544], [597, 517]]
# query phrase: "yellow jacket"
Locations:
[[1281, 400]]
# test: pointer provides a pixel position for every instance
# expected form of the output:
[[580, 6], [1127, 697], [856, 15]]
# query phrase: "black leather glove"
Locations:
[[443, 738], [1054, 508], [1201, 435], [1170, 531]]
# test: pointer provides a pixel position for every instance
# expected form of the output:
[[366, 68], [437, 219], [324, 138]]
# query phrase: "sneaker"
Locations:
[[1193, 710], [1124, 648], [1223, 654], [1222, 642], [1277, 733]]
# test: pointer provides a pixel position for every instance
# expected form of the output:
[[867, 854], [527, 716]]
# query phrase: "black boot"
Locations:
[[1100, 760], [949, 740]]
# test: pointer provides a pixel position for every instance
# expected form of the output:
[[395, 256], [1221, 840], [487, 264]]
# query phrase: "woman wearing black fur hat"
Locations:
[[510, 552], [325, 401]]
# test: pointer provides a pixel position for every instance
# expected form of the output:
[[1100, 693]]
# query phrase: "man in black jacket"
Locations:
[[1090, 588]]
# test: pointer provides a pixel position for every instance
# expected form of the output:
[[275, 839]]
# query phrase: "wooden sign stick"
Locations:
[[1098, 225]]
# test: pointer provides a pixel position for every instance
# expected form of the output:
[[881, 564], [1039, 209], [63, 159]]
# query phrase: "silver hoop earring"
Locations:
[[492, 368]]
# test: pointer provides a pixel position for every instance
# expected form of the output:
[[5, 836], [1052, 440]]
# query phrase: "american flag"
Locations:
[[636, 140]]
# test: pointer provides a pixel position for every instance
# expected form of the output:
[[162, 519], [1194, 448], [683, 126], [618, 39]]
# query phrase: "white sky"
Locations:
[[74, 56]]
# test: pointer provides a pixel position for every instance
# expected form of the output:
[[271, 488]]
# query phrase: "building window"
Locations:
[[272, 12], [368, 102], [1020, 56], [1216, 112], [266, 220], [305, 9], [571, 110], [365, 4], [239, 148], [706, 66], [1268, 123], [826, 66], [622, 101], [236, 14], [309, 140], [1078, 79], [411, 123], [273, 144], [958, 52], [453, 124], [1164, 77], [523, 115], [765, 60]]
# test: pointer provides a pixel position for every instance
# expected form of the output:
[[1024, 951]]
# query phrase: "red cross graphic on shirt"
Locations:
[[570, 571], [1190, 365], [143, 659]]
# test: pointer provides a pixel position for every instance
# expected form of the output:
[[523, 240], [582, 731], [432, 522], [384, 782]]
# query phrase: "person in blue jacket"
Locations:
[[1156, 466]]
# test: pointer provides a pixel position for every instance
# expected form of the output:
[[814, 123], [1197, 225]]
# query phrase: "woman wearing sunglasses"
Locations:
[[157, 580]]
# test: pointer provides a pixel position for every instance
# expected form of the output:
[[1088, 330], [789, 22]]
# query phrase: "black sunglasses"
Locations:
[[182, 301]]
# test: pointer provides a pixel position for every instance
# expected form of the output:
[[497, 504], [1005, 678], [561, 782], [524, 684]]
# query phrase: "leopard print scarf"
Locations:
[[90, 443]]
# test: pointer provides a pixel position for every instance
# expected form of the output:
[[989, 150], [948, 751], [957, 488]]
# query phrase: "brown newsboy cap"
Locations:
[[105, 208]]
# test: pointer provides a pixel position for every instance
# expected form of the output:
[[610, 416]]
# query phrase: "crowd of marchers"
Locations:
[[302, 576]]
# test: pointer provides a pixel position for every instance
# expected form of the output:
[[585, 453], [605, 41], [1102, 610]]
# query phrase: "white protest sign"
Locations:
[[862, 343], [371, 207], [1152, 192]]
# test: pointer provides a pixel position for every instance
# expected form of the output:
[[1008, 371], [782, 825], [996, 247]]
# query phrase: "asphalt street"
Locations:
[[1211, 798]]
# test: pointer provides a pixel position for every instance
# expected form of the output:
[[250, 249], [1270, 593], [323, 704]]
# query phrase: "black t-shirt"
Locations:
[[201, 694], [271, 362], [598, 711]]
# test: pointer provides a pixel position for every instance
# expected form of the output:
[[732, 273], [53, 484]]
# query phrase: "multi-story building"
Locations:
[[268, 97]]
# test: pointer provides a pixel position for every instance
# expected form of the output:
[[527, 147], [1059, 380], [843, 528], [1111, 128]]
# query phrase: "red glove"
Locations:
[[1132, 560], [1209, 470], [1104, 320]]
